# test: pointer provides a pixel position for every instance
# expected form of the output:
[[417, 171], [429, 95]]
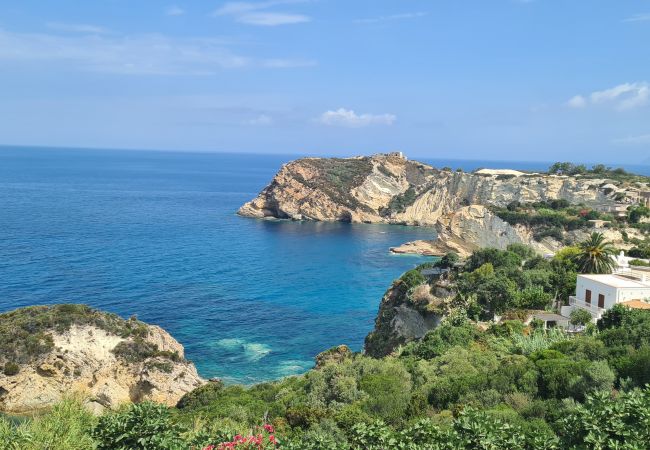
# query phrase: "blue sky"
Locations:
[[470, 79]]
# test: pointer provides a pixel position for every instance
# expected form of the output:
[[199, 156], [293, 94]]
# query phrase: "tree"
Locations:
[[636, 213], [595, 255], [448, 260], [580, 316]]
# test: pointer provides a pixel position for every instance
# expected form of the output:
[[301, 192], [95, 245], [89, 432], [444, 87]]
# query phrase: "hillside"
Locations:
[[49, 352], [392, 189]]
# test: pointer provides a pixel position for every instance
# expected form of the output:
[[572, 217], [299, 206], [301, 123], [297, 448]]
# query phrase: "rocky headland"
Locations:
[[389, 188], [50, 352]]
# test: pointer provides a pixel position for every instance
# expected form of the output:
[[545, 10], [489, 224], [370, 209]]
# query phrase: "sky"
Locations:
[[536, 80]]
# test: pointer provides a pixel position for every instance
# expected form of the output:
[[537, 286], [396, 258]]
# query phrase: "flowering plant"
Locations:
[[263, 440]]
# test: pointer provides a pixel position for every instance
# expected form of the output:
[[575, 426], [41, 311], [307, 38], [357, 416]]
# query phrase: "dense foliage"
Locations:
[[551, 218], [461, 387]]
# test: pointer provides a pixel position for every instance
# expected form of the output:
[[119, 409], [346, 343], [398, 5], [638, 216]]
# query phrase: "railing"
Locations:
[[594, 310]]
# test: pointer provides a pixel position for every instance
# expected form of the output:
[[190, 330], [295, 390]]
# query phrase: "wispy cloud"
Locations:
[[174, 10], [643, 139], [622, 97], [152, 54], [76, 28], [638, 18], [347, 118], [402, 16], [251, 13], [261, 120]]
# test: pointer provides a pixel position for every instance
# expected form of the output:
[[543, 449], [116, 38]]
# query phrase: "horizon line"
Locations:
[[305, 154]]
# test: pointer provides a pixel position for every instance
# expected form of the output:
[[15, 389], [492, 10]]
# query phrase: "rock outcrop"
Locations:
[[406, 315], [391, 189], [473, 227], [106, 359]]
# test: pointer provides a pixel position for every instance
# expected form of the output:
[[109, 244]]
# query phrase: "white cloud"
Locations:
[[633, 140], [174, 11], [402, 16], [251, 13], [271, 19], [577, 102], [77, 28], [622, 97], [638, 18], [261, 120], [347, 118], [131, 54]]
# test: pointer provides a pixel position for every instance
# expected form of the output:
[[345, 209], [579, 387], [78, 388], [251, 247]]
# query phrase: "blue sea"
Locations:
[[155, 234]]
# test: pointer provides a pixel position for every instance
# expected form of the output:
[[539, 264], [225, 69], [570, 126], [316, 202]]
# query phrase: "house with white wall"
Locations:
[[598, 293]]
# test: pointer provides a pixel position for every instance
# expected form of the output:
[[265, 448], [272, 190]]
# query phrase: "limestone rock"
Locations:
[[82, 360]]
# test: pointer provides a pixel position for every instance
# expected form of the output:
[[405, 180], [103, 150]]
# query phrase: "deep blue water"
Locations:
[[155, 234]]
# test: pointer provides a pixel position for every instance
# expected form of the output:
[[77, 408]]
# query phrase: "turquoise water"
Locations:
[[155, 234]]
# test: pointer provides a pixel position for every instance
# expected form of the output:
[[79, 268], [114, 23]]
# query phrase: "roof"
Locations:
[[636, 304], [617, 281]]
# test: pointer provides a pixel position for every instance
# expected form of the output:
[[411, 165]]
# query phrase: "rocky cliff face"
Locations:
[[392, 189], [473, 227], [107, 364], [405, 315]]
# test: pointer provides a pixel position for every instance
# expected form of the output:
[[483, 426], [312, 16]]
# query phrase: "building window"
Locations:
[[601, 301], [588, 297]]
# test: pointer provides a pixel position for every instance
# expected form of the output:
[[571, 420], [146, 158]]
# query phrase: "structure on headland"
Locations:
[[629, 286]]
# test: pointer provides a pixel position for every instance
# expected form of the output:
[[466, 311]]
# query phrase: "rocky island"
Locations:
[[50, 352], [464, 208]]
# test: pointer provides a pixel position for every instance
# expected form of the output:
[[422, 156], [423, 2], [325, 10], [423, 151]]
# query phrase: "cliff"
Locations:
[[48, 352], [473, 227], [407, 312], [392, 189]]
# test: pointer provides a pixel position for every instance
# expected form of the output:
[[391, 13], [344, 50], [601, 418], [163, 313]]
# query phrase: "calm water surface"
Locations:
[[155, 234]]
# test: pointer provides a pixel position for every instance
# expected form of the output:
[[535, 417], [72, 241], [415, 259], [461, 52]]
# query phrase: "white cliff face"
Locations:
[[373, 189], [82, 362], [391, 189]]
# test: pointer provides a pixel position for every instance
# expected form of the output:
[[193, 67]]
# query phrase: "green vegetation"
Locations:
[[595, 255], [507, 387], [596, 171], [25, 335], [338, 177], [399, 203], [550, 218], [464, 385], [25, 332]]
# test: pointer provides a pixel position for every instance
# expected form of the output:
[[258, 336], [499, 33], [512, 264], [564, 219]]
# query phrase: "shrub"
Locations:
[[580, 316], [11, 369], [67, 426], [201, 396], [144, 426]]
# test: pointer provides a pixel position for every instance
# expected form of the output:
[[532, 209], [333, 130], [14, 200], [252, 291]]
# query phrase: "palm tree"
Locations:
[[595, 255]]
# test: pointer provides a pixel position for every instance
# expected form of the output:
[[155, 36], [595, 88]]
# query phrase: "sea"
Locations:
[[156, 235]]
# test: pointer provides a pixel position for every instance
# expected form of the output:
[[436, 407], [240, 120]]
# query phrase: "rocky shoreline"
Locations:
[[389, 188]]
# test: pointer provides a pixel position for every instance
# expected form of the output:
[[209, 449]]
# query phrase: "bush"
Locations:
[[138, 350], [144, 426], [201, 396], [67, 426], [580, 316], [11, 369]]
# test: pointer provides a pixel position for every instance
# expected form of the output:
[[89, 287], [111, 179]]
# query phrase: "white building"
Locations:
[[598, 293]]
